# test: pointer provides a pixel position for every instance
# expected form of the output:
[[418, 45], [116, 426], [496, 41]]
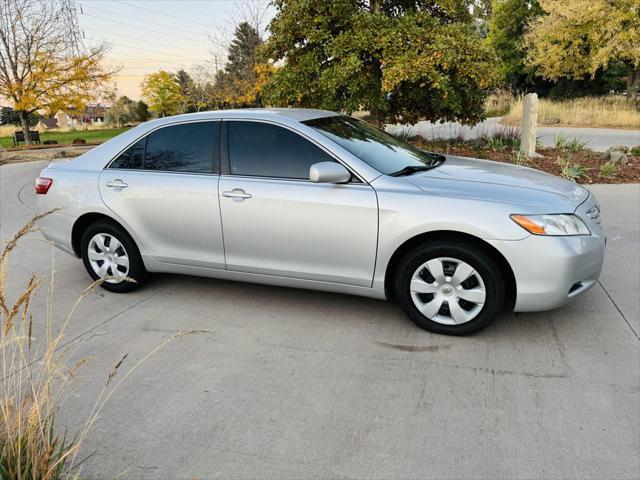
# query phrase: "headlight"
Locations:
[[553, 225]]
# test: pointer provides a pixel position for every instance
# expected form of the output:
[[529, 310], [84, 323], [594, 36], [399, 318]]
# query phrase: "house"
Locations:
[[47, 124], [91, 115]]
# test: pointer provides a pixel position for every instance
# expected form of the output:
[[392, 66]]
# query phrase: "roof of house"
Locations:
[[49, 122]]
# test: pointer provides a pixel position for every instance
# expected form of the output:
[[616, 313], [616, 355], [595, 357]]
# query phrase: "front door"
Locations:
[[165, 188], [277, 222]]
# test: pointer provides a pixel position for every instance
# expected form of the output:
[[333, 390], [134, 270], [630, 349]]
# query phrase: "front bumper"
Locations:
[[550, 271]]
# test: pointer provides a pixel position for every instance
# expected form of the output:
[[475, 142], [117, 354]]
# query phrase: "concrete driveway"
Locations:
[[598, 139], [284, 384]]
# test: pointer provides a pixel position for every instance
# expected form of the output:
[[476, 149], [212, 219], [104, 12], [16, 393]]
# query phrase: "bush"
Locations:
[[635, 151], [50, 142], [79, 141], [608, 169]]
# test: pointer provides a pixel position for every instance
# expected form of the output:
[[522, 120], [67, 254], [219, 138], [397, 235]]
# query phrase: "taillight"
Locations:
[[43, 184]]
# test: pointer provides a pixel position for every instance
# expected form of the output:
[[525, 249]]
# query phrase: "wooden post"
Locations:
[[528, 128]]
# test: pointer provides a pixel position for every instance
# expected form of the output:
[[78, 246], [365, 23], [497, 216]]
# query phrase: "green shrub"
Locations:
[[608, 169]]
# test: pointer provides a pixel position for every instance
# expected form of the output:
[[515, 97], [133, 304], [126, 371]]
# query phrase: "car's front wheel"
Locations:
[[111, 255], [450, 288]]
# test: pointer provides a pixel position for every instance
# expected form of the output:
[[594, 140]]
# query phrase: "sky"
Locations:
[[149, 35]]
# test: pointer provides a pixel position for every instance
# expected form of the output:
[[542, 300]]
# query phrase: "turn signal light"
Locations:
[[43, 184]]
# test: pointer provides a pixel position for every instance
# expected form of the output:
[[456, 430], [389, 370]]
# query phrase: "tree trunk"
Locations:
[[633, 83], [376, 71], [24, 120]]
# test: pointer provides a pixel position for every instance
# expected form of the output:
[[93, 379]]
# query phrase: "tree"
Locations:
[[399, 59], [140, 111], [507, 25], [580, 37], [41, 65], [120, 112], [185, 82], [162, 92], [242, 52], [236, 86]]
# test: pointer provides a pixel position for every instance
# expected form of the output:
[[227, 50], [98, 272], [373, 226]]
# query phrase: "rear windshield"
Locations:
[[382, 151]]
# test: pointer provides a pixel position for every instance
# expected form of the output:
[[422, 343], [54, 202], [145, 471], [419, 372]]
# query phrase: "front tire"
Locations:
[[450, 288], [110, 254]]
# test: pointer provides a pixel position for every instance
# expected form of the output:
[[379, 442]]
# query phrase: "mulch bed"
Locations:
[[590, 160]]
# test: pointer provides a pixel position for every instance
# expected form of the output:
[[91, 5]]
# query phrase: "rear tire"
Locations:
[[450, 288], [109, 253]]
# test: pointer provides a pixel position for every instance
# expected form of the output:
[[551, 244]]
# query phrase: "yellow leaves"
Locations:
[[579, 36], [162, 93], [51, 81]]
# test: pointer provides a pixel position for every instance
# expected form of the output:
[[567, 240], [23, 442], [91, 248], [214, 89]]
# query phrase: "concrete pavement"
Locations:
[[283, 383], [598, 139]]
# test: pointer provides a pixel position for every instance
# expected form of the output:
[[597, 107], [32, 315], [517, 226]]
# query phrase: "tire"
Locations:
[[106, 245], [439, 306]]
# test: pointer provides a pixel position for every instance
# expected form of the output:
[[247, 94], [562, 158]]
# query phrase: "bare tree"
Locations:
[[42, 67], [257, 13]]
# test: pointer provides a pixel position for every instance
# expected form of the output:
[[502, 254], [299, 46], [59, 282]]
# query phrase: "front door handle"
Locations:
[[117, 183], [236, 193]]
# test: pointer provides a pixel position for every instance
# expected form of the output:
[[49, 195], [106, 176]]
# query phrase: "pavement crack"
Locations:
[[619, 311]]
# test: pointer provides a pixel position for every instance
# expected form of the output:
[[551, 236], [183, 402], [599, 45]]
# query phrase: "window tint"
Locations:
[[263, 150], [182, 148], [131, 158]]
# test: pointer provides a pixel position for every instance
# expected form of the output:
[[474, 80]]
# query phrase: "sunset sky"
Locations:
[[149, 35]]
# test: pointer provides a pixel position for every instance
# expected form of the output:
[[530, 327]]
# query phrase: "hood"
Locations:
[[486, 176]]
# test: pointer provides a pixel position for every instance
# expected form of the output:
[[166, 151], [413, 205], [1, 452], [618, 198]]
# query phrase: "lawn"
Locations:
[[65, 138]]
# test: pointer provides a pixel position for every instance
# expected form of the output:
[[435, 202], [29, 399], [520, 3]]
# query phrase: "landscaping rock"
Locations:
[[617, 158], [619, 148]]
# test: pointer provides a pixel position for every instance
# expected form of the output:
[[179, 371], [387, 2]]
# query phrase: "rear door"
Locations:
[[165, 189]]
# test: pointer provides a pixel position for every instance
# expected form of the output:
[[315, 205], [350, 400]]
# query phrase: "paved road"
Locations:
[[599, 139], [296, 384]]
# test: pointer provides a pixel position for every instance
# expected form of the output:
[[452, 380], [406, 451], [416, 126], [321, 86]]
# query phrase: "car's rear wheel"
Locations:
[[110, 254], [450, 288]]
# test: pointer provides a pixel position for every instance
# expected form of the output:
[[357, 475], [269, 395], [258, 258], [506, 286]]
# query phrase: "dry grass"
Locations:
[[614, 112], [498, 104], [35, 376]]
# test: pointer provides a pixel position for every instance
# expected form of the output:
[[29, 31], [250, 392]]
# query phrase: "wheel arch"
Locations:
[[450, 235], [83, 222]]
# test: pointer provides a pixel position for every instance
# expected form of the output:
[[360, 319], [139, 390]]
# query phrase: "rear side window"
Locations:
[[264, 150], [132, 158], [186, 148]]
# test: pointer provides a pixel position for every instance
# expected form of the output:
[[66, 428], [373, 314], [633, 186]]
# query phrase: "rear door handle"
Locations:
[[117, 183], [236, 193]]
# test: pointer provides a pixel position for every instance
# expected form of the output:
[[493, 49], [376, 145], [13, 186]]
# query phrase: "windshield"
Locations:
[[382, 151]]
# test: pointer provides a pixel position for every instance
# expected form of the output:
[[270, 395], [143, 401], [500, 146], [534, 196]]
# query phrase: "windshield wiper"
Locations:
[[408, 170]]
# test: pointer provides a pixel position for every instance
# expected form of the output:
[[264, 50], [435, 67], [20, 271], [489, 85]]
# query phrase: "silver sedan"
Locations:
[[319, 200]]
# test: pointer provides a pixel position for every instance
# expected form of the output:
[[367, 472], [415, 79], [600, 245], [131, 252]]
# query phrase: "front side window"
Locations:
[[185, 148], [264, 150]]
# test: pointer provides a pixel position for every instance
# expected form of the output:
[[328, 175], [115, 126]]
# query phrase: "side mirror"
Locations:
[[328, 172]]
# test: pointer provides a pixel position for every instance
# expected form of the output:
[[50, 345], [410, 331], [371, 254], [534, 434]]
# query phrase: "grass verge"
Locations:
[[65, 138]]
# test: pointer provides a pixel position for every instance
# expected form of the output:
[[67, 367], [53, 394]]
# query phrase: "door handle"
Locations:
[[117, 183], [236, 193]]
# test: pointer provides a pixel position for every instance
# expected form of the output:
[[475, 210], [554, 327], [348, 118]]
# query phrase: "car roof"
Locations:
[[295, 114]]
